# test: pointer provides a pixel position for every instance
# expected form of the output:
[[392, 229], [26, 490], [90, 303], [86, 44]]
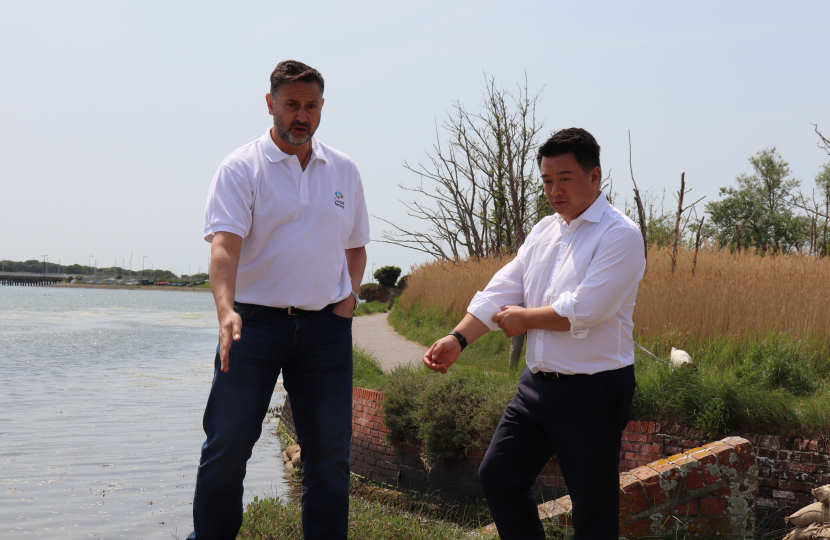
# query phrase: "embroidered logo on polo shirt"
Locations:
[[338, 199]]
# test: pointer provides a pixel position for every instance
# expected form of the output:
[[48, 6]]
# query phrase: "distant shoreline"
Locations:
[[127, 287]]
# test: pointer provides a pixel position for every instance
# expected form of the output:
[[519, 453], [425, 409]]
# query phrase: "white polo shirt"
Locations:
[[295, 224]]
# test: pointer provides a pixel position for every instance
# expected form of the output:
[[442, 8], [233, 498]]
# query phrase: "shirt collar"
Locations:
[[275, 155], [593, 213]]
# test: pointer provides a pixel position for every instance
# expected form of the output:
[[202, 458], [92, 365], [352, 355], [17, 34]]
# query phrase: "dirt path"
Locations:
[[373, 334]]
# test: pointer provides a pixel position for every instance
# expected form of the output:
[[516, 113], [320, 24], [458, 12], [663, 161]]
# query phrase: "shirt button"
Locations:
[[568, 233], [539, 338], [559, 258]]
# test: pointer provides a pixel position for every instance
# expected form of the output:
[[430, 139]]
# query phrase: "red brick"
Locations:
[[708, 465], [743, 449], [722, 451], [636, 529], [661, 466], [635, 493], [651, 483], [688, 509], [623, 505], [712, 507], [708, 526]]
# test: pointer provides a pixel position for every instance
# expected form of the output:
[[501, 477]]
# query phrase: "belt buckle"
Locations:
[[289, 310]]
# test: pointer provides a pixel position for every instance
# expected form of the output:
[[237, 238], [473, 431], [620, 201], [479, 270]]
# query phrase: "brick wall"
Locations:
[[788, 467], [705, 492]]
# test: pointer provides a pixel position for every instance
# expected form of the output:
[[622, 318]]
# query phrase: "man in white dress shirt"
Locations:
[[577, 273], [287, 223]]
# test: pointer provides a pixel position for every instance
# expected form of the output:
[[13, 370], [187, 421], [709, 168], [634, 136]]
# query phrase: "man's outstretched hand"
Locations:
[[442, 354]]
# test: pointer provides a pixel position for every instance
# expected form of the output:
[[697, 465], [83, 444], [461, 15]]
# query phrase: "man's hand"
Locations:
[[344, 308], [224, 262], [442, 354], [230, 330], [512, 320]]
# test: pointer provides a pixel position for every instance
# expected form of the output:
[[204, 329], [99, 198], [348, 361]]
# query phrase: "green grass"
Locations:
[[768, 384], [370, 308], [488, 354], [367, 372], [374, 514]]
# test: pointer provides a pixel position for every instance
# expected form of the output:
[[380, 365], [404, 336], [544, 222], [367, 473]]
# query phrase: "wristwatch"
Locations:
[[461, 339], [356, 301]]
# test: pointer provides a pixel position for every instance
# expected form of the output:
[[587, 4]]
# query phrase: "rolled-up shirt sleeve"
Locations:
[[506, 288], [229, 204], [615, 269]]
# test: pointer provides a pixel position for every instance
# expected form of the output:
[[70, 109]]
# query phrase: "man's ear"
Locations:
[[596, 175], [270, 101]]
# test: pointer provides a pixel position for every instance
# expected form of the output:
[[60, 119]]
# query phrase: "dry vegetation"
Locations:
[[733, 295]]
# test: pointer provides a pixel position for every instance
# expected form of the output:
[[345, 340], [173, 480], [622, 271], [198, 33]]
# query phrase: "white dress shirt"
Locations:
[[588, 271], [295, 224]]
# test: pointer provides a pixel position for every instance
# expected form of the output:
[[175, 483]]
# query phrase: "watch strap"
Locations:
[[461, 339], [356, 300]]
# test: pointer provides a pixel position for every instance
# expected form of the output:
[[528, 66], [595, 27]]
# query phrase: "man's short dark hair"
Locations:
[[583, 145], [294, 71]]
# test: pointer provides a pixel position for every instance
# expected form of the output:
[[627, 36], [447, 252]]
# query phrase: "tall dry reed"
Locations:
[[732, 295]]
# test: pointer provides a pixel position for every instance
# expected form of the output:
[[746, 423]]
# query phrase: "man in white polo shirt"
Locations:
[[578, 274], [287, 223]]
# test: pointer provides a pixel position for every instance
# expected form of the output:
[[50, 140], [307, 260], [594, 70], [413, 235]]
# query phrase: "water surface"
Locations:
[[102, 394]]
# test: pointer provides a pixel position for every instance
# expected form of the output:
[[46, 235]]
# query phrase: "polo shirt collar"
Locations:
[[593, 213], [275, 155]]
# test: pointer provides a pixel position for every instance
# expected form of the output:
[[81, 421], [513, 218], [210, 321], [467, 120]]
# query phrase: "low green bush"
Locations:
[[449, 414]]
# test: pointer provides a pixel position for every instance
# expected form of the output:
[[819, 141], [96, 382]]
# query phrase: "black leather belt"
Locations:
[[291, 310], [557, 375]]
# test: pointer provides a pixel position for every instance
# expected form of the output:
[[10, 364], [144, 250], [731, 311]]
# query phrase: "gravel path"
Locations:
[[373, 334]]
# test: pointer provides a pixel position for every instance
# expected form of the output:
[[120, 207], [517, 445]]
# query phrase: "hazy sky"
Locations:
[[114, 116]]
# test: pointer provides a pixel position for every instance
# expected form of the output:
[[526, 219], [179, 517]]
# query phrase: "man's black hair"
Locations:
[[292, 71], [583, 145]]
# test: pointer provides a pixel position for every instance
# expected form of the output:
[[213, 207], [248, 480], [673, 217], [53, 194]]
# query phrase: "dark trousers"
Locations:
[[314, 353], [581, 419]]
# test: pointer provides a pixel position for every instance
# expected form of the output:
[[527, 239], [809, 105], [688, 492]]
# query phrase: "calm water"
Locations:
[[102, 395]]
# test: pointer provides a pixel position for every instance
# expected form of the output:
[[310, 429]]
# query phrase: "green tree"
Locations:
[[387, 276], [758, 212]]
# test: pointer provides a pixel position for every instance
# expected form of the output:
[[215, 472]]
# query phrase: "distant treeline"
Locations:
[[38, 267]]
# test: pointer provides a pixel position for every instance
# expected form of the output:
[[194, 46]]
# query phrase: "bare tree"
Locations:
[[697, 244], [678, 218], [641, 211], [484, 195]]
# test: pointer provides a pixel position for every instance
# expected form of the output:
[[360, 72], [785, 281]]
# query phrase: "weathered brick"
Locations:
[[688, 509], [712, 506], [708, 465], [781, 494], [635, 493], [636, 528]]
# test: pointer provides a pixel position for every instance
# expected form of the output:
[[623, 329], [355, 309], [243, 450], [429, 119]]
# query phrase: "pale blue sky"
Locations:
[[114, 116]]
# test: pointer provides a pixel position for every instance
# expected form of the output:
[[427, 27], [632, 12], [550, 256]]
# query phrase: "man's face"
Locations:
[[568, 188], [296, 110]]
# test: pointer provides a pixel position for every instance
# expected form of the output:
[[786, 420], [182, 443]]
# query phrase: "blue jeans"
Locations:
[[314, 352]]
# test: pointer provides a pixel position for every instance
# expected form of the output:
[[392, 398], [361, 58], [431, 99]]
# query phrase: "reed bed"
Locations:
[[736, 296]]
